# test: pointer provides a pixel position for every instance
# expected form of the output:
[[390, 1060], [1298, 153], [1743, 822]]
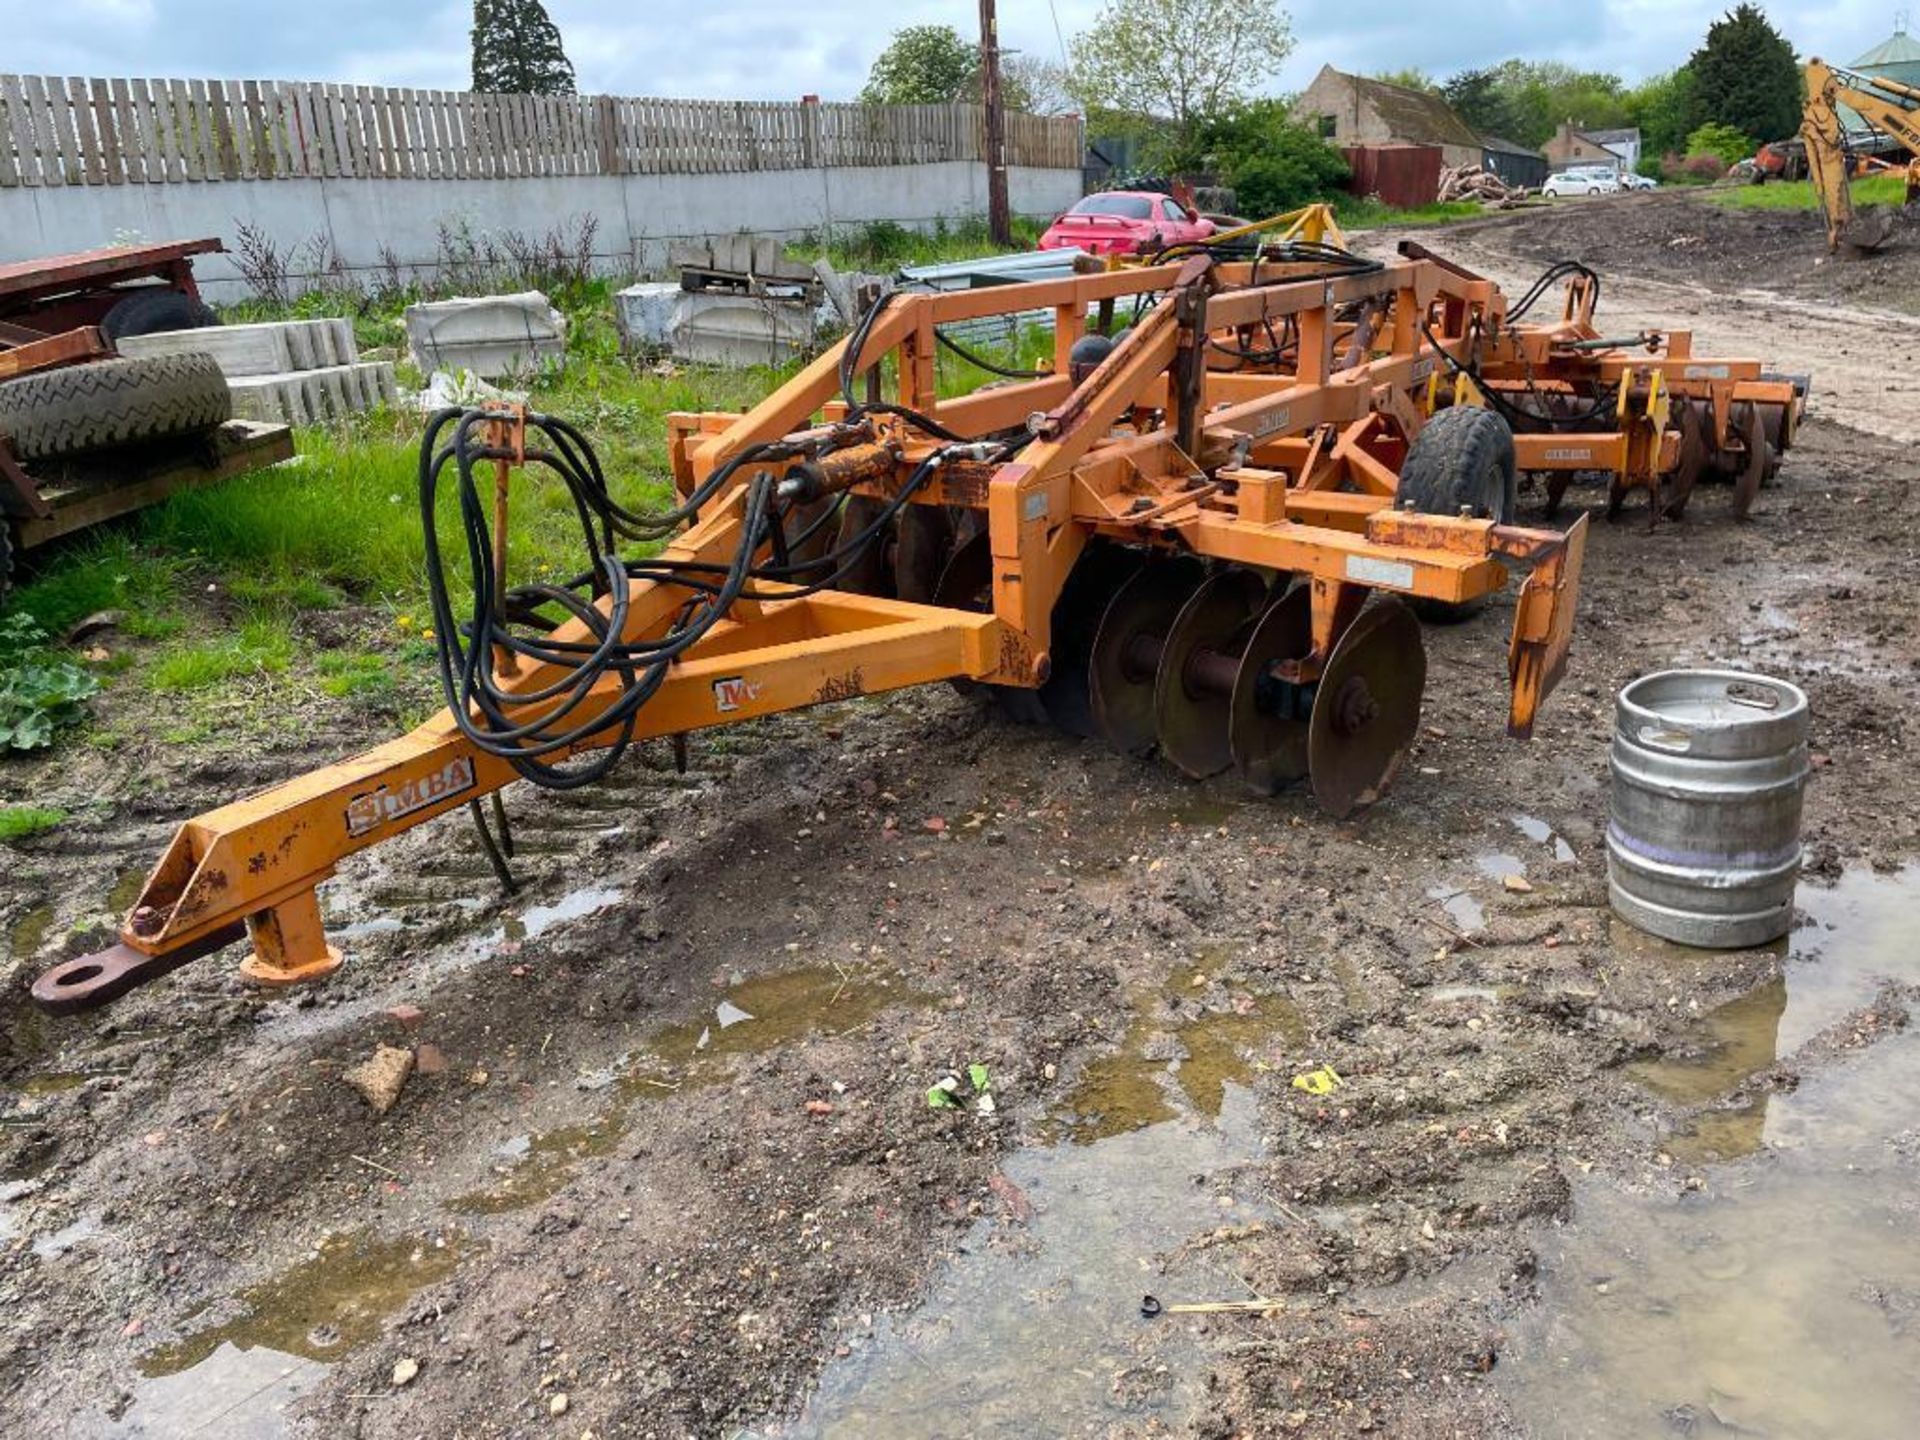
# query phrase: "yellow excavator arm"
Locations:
[[1885, 104]]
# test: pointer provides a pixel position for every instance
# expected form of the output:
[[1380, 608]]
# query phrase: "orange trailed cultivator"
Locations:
[[1209, 535]]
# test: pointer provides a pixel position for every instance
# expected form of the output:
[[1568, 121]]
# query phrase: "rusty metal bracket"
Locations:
[[93, 980]]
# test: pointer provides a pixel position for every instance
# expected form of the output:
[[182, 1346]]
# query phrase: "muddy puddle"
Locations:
[[1035, 1328], [1184, 1043], [244, 1360], [753, 1016], [1783, 1297]]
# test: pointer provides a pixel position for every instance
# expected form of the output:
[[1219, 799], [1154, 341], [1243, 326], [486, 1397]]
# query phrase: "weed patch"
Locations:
[[22, 822], [259, 647]]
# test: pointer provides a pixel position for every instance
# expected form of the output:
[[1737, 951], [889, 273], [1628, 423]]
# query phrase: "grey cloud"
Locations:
[[755, 49]]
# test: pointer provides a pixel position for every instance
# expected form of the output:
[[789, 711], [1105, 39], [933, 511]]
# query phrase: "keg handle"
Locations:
[[1674, 742], [1754, 697]]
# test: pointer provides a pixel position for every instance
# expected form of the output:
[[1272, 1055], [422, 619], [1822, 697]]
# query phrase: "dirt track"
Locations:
[[1748, 283], [617, 1191]]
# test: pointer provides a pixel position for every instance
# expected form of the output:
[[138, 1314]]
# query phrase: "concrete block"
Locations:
[[491, 335], [716, 327], [312, 397], [270, 348]]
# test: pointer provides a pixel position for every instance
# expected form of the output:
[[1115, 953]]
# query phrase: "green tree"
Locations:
[[1478, 97], [1412, 77], [1745, 76], [1272, 163], [1721, 140], [924, 65], [1036, 86], [1527, 100], [1662, 106], [517, 50], [1180, 62]]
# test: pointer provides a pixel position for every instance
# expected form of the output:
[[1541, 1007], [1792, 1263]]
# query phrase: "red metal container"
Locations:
[[1401, 175]]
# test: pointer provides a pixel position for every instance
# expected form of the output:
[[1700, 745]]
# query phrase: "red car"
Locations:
[[1125, 222]]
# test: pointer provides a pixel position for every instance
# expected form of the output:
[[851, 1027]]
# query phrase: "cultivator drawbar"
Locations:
[[1208, 536]]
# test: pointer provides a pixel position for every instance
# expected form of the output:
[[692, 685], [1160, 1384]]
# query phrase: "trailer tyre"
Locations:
[[1462, 460], [113, 402], [154, 310]]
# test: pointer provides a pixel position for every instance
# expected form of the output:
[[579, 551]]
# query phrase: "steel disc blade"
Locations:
[[1068, 695], [1753, 468], [920, 557], [967, 584], [1366, 709], [811, 531], [1268, 726], [1693, 458], [1125, 658], [1193, 693], [871, 572]]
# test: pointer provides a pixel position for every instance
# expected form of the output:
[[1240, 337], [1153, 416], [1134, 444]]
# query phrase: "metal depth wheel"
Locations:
[[1366, 709], [1125, 660], [1199, 662], [1267, 725]]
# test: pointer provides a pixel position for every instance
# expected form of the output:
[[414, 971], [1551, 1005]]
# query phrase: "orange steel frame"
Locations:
[[1651, 374], [1290, 472]]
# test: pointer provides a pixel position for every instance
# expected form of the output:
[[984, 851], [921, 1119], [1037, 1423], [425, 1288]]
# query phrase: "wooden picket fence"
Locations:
[[77, 131]]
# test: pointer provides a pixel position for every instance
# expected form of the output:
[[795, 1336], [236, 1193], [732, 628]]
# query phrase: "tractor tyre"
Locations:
[[153, 310], [113, 402], [1462, 461]]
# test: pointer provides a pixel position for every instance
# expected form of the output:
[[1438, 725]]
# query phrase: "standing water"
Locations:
[[1783, 1299]]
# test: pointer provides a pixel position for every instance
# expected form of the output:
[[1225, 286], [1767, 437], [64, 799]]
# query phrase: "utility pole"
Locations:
[[999, 217]]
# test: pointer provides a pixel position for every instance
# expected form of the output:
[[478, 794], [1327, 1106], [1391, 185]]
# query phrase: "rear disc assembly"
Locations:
[[1267, 727], [926, 542], [1124, 664], [1366, 708], [1753, 467], [1199, 662], [871, 571], [1692, 464], [1091, 585]]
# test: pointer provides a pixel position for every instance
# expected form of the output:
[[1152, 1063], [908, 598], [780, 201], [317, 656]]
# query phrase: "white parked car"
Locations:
[[1582, 180], [1631, 181]]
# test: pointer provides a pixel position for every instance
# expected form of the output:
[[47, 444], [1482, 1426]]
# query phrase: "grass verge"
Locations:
[[1799, 194]]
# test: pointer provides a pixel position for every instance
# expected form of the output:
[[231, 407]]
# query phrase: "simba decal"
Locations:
[[375, 808], [730, 694], [1567, 456], [1707, 372]]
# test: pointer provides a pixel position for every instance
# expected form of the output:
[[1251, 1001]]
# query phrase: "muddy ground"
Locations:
[[606, 1204]]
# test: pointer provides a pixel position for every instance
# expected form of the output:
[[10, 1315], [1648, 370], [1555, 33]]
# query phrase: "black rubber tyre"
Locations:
[[1461, 460], [153, 310], [113, 402]]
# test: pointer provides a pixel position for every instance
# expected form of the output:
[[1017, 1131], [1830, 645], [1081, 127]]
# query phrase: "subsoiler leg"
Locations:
[[289, 943]]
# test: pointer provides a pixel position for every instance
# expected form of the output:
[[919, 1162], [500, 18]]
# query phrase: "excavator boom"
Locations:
[[1887, 105]]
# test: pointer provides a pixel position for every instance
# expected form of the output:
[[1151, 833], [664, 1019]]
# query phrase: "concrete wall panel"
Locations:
[[639, 215]]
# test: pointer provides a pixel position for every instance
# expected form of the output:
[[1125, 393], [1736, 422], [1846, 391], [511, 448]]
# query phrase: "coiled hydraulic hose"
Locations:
[[506, 629]]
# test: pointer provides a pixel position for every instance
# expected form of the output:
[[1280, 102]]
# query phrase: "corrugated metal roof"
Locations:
[[1507, 147]]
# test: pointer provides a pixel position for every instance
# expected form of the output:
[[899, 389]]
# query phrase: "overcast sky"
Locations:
[[778, 49]]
